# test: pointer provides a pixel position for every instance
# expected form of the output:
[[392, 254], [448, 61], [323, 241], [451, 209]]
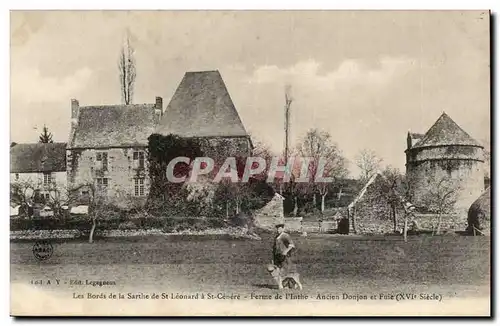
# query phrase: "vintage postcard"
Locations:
[[250, 163]]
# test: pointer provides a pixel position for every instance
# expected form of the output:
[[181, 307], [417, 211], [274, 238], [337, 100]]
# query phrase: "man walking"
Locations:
[[282, 259]]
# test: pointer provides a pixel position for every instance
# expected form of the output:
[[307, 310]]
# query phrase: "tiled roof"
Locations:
[[38, 157], [201, 107], [446, 132], [114, 126]]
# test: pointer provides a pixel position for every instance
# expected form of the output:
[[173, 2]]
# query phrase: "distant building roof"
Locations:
[[446, 132], [201, 107], [38, 157], [114, 126]]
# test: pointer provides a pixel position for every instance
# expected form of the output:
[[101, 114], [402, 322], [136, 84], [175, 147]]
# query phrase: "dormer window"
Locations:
[[102, 186]]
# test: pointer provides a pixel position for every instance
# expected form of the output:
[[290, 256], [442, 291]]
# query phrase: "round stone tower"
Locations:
[[445, 156]]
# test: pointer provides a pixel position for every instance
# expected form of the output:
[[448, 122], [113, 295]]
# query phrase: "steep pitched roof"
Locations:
[[201, 107], [445, 131], [38, 157], [114, 126]]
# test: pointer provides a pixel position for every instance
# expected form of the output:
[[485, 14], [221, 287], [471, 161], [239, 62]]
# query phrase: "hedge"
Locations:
[[167, 224]]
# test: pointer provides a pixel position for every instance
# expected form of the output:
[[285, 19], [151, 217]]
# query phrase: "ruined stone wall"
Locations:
[[462, 164], [83, 168], [293, 224]]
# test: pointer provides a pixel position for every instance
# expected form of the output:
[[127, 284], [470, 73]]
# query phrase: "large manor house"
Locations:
[[107, 145]]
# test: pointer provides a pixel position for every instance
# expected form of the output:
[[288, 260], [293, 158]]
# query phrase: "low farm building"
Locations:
[[39, 167], [107, 149]]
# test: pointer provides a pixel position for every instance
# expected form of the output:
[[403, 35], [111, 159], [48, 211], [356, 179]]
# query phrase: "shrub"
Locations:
[[49, 224], [128, 225]]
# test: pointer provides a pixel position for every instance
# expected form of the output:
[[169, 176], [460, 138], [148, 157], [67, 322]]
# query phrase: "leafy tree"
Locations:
[[392, 191], [324, 154], [441, 197], [162, 150]]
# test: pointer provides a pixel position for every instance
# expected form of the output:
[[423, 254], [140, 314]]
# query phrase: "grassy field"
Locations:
[[454, 266]]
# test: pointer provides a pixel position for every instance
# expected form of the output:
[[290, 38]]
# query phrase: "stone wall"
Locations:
[[293, 224], [374, 226], [468, 176], [425, 222], [271, 214], [319, 226], [83, 168], [462, 164], [448, 222]]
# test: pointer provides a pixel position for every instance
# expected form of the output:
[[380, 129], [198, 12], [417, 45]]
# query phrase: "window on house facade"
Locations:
[[139, 186], [102, 157], [139, 159], [102, 185], [17, 176], [47, 178]]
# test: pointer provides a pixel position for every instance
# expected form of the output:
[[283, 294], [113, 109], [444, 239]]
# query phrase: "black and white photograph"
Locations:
[[250, 163]]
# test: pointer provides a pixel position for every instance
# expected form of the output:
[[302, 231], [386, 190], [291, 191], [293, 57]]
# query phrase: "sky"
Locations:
[[366, 77]]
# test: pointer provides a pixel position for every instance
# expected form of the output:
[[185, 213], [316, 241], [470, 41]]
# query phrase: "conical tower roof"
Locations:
[[445, 131], [201, 107]]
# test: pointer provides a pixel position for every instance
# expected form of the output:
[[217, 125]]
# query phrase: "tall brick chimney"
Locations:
[[158, 108], [159, 104], [75, 108]]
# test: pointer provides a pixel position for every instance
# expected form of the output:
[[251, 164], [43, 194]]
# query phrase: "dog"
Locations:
[[291, 280]]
